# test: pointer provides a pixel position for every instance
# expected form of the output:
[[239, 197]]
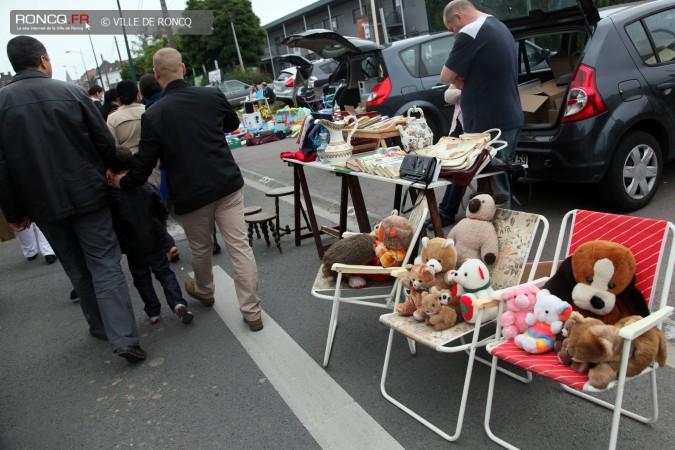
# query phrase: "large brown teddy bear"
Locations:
[[596, 347], [598, 280], [475, 236]]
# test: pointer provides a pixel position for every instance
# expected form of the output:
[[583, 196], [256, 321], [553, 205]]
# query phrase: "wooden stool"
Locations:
[[265, 219], [281, 192], [248, 210]]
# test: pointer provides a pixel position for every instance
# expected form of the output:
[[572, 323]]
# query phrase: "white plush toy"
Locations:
[[547, 319], [473, 281]]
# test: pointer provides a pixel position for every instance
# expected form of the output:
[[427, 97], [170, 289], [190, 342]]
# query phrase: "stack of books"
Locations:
[[385, 162]]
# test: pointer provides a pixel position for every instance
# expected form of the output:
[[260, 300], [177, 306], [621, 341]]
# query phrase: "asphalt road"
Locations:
[[210, 384]]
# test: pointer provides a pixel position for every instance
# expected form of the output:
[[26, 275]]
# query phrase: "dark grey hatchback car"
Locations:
[[615, 125]]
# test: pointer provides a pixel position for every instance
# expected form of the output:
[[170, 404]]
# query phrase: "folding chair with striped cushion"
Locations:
[[651, 241]]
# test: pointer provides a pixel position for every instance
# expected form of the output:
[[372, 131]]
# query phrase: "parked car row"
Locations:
[[615, 122], [314, 76]]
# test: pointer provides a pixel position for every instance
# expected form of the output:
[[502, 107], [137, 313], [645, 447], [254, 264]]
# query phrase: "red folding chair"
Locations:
[[652, 243]]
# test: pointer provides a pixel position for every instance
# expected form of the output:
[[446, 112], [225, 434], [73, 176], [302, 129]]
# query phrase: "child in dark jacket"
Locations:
[[139, 217]]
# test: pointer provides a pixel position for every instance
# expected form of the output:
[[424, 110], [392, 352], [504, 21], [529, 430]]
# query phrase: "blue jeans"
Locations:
[[141, 268]]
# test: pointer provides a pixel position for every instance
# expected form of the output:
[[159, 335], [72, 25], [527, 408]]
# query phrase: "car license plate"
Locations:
[[520, 159]]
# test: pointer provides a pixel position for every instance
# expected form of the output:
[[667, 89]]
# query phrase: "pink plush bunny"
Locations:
[[520, 300]]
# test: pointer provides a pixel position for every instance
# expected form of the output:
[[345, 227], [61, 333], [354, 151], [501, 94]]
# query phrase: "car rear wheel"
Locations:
[[634, 173]]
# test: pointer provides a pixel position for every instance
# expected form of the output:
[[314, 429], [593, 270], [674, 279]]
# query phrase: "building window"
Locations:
[[337, 21], [277, 40]]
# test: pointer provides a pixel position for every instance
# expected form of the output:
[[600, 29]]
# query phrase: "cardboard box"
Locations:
[[561, 65], [539, 102]]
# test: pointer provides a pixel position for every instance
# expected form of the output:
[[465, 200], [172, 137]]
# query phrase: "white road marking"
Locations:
[[329, 413]]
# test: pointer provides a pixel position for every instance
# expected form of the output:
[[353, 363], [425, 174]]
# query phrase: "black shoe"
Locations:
[[216, 248], [445, 221], [132, 353], [51, 259], [98, 334], [32, 258]]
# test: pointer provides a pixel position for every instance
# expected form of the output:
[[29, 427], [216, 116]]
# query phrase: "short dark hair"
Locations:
[[122, 160], [24, 52], [110, 95], [126, 92], [149, 85], [95, 89]]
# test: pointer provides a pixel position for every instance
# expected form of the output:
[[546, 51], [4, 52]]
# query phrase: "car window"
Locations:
[[638, 36], [370, 67], [661, 28], [233, 85], [409, 59], [434, 54], [283, 76], [327, 67]]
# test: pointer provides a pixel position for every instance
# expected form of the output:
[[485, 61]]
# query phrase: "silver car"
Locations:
[[235, 91]]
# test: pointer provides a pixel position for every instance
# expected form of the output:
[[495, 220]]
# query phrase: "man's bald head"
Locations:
[[168, 66]]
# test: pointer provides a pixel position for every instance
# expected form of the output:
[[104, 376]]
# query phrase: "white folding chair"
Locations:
[[388, 292], [518, 233], [650, 241]]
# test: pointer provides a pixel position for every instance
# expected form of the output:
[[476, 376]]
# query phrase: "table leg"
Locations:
[[359, 205], [397, 197], [433, 212], [310, 211], [344, 201]]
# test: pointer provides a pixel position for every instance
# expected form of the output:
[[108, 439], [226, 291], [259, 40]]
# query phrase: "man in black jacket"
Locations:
[[52, 151], [185, 131]]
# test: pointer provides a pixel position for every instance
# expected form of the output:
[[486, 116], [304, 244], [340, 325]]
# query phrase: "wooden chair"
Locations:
[[652, 243], [518, 234]]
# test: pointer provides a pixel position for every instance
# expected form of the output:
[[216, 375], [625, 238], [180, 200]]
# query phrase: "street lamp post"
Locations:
[[83, 65], [236, 44], [98, 68]]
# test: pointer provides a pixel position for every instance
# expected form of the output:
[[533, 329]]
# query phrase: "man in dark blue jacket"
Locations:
[[185, 131], [53, 150]]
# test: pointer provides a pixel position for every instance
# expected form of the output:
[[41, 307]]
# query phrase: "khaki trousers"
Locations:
[[228, 213]]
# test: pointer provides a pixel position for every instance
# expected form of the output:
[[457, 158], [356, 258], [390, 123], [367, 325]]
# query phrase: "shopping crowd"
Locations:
[[79, 180]]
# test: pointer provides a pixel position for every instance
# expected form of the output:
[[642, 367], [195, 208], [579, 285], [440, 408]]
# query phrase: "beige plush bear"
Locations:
[[439, 316], [475, 235]]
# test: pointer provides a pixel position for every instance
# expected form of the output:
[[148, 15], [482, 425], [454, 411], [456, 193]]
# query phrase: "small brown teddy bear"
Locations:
[[475, 235], [598, 344], [441, 317], [420, 279], [441, 254]]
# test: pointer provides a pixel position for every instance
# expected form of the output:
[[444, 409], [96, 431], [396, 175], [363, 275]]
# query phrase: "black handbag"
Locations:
[[418, 168]]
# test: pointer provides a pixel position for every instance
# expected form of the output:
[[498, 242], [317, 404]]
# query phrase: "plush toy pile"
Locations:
[[386, 246]]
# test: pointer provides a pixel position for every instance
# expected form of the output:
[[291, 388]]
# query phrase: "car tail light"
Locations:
[[290, 82], [379, 93], [584, 100]]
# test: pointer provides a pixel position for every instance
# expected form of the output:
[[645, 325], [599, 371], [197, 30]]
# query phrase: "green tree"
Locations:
[[144, 49], [198, 50]]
